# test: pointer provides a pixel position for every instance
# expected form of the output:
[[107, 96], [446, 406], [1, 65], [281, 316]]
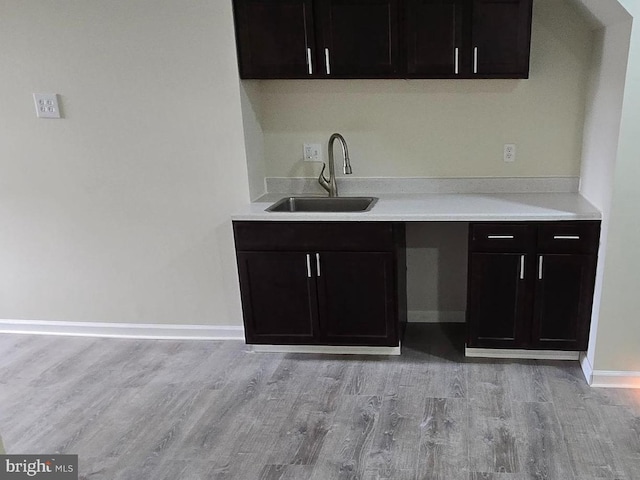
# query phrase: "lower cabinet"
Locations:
[[322, 283], [357, 304], [497, 303], [563, 298], [530, 285], [278, 298]]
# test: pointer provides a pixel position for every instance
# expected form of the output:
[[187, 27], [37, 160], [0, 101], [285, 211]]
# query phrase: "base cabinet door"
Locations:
[[278, 297], [563, 299], [497, 299], [357, 301]]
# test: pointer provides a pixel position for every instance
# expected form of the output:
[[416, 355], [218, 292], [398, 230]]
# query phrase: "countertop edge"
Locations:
[[443, 208]]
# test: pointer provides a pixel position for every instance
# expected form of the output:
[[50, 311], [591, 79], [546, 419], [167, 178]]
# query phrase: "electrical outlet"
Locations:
[[46, 105], [509, 152], [312, 152]]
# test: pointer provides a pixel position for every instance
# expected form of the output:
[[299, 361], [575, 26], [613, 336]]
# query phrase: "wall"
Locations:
[[445, 128], [618, 330], [253, 137], [601, 133], [120, 211], [437, 271]]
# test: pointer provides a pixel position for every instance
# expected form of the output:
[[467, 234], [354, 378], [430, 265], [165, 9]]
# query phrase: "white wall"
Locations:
[[253, 136], [601, 133], [120, 211], [617, 342], [444, 128]]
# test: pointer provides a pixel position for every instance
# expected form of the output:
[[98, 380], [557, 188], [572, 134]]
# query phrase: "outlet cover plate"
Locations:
[[312, 152], [509, 152]]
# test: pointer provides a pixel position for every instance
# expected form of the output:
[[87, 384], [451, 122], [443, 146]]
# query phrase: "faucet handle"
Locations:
[[324, 183]]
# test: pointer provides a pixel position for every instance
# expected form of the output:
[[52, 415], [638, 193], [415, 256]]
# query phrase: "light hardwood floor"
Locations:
[[213, 410]]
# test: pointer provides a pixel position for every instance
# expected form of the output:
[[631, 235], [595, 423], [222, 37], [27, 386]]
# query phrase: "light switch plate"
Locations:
[[46, 105]]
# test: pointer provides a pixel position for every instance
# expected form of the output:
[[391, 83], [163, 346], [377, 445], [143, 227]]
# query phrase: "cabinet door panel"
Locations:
[[360, 36], [501, 33], [497, 300], [564, 294], [273, 37], [278, 298], [434, 31], [357, 304]]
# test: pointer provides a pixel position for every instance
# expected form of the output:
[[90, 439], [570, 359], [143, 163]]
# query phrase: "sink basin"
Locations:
[[323, 204]]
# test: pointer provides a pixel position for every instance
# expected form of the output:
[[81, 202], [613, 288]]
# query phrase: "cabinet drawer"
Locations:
[[569, 237], [501, 237], [303, 236]]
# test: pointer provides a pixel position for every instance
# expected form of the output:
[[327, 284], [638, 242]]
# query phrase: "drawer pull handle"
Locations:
[[540, 260], [500, 237], [522, 267], [318, 263], [308, 266], [566, 237]]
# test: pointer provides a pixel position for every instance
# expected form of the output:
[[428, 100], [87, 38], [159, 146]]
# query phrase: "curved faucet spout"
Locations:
[[329, 184]]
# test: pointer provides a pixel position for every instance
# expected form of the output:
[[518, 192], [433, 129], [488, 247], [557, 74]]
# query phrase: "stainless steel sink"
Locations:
[[323, 204]]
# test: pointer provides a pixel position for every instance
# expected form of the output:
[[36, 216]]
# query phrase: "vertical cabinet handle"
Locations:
[[308, 266], [456, 57], [318, 263], [540, 260], [327, 64], [309, 62], [522, 257], [475, 60]]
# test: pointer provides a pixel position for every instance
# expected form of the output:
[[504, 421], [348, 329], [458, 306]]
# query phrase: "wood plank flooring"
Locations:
[[214, 410]]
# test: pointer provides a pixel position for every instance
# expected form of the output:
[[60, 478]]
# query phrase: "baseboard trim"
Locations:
[[608, 378], [615, 379], [434, 316], [326, 349], [587, 368], [520, 354], [124, 330]]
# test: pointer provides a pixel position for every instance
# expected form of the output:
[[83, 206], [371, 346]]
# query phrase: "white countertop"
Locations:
[[448, 207]]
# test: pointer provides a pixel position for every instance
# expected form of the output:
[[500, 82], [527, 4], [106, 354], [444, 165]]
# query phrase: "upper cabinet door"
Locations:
[[501, 37], [275, 38], [435, 38], [359, 38]]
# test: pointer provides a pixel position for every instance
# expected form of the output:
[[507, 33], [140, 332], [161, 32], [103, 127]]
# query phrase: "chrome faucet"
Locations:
[[330, 184]]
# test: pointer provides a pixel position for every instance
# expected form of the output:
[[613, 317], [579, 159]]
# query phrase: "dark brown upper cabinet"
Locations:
[[358, 38], [436, 37], [501, 38], [318, 39], [383, 38], [275, 38]]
